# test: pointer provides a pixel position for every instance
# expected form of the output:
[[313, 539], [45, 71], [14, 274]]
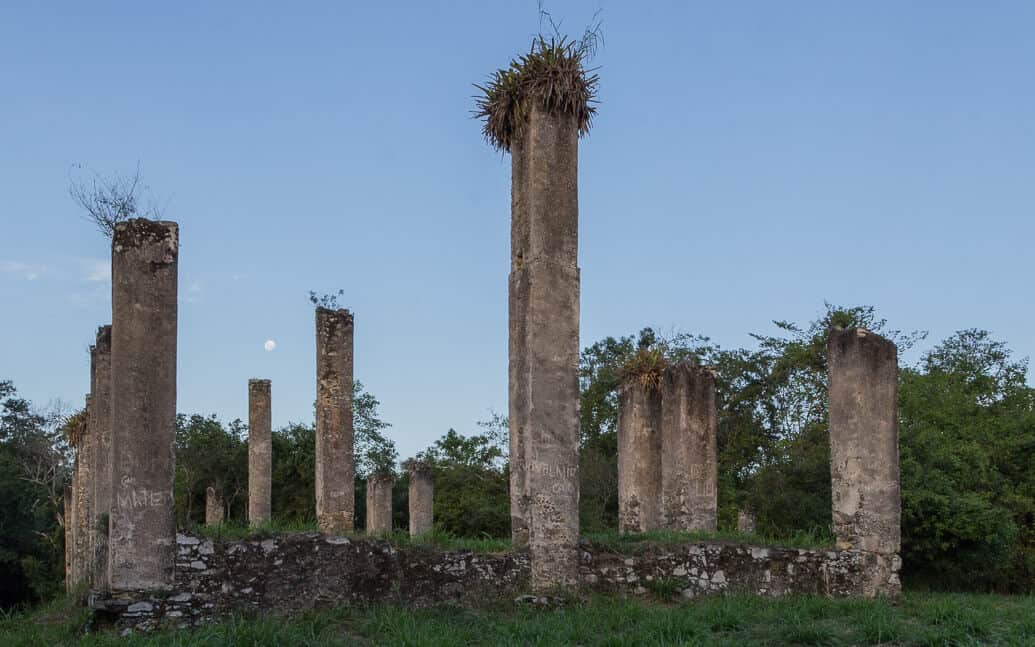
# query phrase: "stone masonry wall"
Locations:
[[292, 573]]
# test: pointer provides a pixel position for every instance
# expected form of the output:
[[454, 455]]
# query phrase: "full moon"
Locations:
[[269, 345]]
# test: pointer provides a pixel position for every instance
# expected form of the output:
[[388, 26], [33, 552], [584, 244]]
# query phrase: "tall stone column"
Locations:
[[83, 564], [69, 521], [215, 508], [335, 462], [100, 429], [639, 458], [864, 470], [379, 503], [546, 337], [142, 536], [421, 498], [260, 452], [689, 467]]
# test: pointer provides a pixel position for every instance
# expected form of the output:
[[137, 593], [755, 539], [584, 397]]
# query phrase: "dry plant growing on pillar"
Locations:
[[74, 427], [108, 201], [552, 75], [645, 368]]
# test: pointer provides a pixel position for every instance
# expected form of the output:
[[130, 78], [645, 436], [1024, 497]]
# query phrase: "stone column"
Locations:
[[142, 536], [335, 466], [83, 564], [545, 335], [689, 468], [215, 508], [639, 458], [100, 429], [379, 503], [745, 521], [518, 402], [69, 521], [260, 452], [863, 392], [421, 498]]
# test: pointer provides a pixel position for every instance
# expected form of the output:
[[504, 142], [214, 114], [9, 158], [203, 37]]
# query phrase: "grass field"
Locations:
[[915, 619]]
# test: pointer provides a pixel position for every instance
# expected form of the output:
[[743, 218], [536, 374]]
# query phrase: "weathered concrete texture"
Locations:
[[291, 574], [639, 458], [335, 462], [215, 508], [379, 503], [518, 403], [745, 521], [689, 468], [260, 452], [864, 440], [421, 498], [69, 523], [143, 382], [100, 429], [549, 276]]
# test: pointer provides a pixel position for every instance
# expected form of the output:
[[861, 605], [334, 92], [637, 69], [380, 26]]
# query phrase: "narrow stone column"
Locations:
[[84, 500], [863, 392], [689, 468], [215, 508], [548, 339], [745, 521], [69, 521], [260, 452], [100, 429], [639, 458], [142, 537], [335, 463], [379, 503], [421, 497]]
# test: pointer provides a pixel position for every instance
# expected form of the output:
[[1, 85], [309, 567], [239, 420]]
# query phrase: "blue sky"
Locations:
[[749, 161]]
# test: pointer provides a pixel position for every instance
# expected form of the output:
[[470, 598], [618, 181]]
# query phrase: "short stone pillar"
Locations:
[[421, 497], [746, 522], [335, 462], [379, 503], [639, 458], [69, 523], [544, 334], [864, 470], [142, 537], [260, 452], [215, 508], [689, 466], [100, 429]]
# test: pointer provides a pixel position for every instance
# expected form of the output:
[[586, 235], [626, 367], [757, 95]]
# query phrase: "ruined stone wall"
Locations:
[[293, 573]]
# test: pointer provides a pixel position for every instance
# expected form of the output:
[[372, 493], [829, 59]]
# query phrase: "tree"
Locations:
[[108, 201]]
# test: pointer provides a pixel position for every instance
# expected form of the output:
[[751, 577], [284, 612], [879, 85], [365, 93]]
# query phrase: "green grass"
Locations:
[[918, 619], [635, 542]]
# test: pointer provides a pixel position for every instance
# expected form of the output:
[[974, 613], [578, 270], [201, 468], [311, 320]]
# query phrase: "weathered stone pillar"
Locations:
[[379, 503], [519, 405], [100, 429], [639, 458], [863, 392], [142, 537], [83, 562], [421, 497], [215, 508], [260, 452], [545, 335], [689, 468], [335, 466], [745, 521], [69, 521]]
